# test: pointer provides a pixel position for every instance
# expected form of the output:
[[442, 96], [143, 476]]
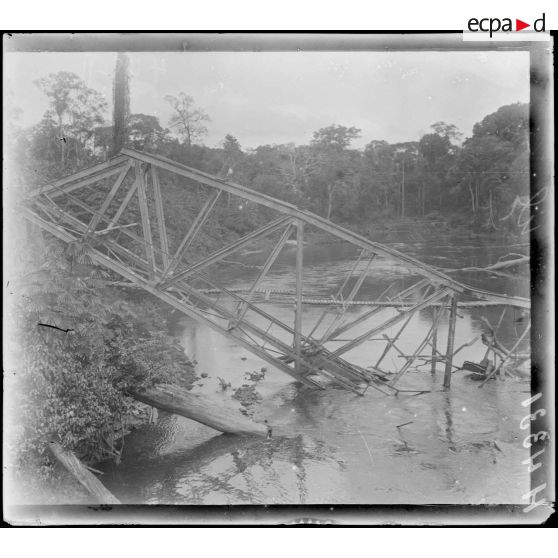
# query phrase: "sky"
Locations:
[[282, 97]]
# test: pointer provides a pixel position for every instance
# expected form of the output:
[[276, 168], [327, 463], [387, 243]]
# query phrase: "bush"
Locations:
[[79, 347]]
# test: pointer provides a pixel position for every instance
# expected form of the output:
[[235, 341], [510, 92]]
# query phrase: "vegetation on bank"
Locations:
[[76, 346], [79, 341]]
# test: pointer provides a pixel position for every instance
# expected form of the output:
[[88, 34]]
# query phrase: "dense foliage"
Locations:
[[475, 181], [78, 345]]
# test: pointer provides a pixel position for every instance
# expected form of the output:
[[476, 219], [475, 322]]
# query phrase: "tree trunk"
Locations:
[[62, 140], [121, 103], [80, 472], [491, 220], [477, 196], [472, 197], [403, 189], [214, 413], [330, 191]]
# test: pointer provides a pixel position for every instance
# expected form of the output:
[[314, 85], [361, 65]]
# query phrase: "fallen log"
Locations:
[[81, 473], [217, 414]]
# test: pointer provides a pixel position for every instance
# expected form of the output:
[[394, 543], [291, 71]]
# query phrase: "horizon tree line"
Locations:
[[479, 178]]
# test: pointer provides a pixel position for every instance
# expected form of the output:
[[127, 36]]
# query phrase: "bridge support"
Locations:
[[451, 341], [298, 309], [434, 344]]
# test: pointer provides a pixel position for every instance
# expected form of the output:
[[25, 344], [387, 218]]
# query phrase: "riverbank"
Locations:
[[139, 350]]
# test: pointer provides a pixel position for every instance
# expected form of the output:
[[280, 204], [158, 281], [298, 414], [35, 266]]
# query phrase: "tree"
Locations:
[[232, 155], [335, 170], [435, 151], [449, 131], [145, 132], [335, 137], [58, 88], [493, 165], [483, 164], [121, 100], [44, 146], [103, 141], [509, 123], [294, 165], [378, 189], [433, 148], [262, 170], [188, 121], [76, 108]]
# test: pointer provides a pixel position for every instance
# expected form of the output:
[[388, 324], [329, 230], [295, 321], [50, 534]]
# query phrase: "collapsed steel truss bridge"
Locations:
[[100, 206]]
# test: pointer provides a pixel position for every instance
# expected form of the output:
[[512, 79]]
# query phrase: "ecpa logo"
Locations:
[[492, 25]]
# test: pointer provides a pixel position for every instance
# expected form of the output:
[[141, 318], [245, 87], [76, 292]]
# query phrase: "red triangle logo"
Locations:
[[519, 25]]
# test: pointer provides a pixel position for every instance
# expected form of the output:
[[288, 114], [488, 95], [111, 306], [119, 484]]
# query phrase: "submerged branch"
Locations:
[[491, 268]]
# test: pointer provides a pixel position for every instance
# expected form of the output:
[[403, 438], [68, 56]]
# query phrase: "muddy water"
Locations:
[[333, 446]]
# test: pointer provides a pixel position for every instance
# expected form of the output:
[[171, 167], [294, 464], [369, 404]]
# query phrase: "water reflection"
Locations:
[[449, 432], [226, 468]]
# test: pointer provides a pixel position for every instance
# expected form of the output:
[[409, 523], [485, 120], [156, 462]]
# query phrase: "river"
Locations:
[[333, 446]]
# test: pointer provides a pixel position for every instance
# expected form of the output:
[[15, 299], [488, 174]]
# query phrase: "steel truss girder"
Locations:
[[227, 250], [189, 310], [171, 280], [192, 232]]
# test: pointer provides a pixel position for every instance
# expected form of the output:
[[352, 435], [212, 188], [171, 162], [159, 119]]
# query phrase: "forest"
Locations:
[[72, 379], [474, 181]]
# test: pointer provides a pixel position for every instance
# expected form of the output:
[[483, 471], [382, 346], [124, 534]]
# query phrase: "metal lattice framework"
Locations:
[[119, 209]]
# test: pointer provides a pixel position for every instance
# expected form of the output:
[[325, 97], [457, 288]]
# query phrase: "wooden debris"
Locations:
[[508, 357], [213, 413], [494, 267], [82, 474]]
